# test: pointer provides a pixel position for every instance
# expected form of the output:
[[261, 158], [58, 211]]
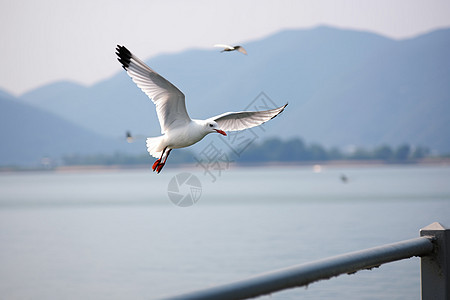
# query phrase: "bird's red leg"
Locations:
[[155, 164], [161, 165], [158, 161]]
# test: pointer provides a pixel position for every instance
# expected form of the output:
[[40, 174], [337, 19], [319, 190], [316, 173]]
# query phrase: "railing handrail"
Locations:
[[307, 273], [304, 274]]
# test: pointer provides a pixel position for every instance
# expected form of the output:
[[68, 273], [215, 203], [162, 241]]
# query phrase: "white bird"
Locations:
[[132, 138], [231, 48], [178, 129]]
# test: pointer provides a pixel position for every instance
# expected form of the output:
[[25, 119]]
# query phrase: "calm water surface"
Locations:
[[116, 235]]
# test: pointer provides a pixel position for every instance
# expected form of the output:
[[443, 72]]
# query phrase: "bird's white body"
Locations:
[[179, 137], [178, 129], [228, 48]]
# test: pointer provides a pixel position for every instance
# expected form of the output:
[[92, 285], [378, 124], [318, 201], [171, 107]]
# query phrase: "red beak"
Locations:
[[221, 132]]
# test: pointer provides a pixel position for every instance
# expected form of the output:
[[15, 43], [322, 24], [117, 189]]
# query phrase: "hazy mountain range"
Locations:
[[344, 88], [29, 134]]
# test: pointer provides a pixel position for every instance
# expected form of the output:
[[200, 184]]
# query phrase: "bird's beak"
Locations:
[[221, 132]]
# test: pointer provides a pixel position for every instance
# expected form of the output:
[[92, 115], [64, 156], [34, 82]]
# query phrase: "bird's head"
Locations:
[[212, 126]]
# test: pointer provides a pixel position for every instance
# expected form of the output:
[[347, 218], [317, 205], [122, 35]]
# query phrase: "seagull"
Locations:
[[231, 48], [177, 128], [132, 138], [344, 178]]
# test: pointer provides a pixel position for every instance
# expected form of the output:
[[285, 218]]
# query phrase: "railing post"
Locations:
[[435, 268]]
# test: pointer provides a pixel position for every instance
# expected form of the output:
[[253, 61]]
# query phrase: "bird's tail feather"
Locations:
[[154, 146]]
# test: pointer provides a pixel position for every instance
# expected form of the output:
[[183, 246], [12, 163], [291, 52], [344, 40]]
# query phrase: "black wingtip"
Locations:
[[284, 106], [124, 56], [282, 109]]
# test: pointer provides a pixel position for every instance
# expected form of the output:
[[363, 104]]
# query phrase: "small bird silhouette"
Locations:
[[132, 138], [231, 48]]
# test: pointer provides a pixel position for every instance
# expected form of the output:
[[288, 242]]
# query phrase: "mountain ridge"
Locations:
[[31, 135], [344, 88]]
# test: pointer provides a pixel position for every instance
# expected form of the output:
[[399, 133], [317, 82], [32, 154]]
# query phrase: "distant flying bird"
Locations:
[[132, 138], [344, 178], [178, 129], [231, 48]]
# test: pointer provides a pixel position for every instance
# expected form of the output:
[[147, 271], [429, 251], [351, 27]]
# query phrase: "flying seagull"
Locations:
[[132, 138], [344, 178], [231, 48], [177, 128]]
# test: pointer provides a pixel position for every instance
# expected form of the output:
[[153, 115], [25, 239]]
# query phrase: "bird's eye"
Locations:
[[210, 125]]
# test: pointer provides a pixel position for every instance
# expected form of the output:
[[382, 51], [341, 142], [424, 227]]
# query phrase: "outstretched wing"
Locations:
[[234, 121], [241, 49], [169, 100]]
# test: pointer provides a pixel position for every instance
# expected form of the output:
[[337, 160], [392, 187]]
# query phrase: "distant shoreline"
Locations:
[[295, 164]]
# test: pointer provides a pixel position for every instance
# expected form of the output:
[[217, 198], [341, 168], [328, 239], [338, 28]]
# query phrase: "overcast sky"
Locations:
[[49, 40]]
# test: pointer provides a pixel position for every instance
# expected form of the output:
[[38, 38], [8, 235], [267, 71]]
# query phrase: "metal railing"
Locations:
[[433, 246]]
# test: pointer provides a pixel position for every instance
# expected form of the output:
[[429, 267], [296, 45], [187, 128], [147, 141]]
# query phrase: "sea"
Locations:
[[135, 234]]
